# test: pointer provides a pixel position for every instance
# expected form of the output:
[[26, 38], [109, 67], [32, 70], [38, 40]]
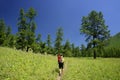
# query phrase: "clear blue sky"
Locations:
[[67, 14]]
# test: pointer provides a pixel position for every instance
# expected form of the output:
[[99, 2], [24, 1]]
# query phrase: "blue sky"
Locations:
[[67, 14]]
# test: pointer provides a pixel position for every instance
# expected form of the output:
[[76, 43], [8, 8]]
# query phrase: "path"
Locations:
[[60, 77]]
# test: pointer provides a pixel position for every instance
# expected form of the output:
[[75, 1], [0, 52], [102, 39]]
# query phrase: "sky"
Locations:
[[52, 14]]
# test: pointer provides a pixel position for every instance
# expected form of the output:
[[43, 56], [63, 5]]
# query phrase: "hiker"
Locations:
[[60, 63]]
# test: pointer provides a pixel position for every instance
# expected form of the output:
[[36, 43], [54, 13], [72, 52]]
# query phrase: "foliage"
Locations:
[[31, 27], [2, 32], [22, 31], [94, 28], [49, 47], [67, 49], [58, 41], [26, 29], [5, 34]]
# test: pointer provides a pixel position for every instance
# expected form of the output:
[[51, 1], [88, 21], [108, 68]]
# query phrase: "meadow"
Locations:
[[90, 69], [19, 65]]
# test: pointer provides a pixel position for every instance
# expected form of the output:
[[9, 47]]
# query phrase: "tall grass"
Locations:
[[18, 65], [90, 69]]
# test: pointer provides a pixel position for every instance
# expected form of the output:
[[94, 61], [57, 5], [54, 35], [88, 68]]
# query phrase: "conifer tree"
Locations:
[[58, 41], [94, 28]]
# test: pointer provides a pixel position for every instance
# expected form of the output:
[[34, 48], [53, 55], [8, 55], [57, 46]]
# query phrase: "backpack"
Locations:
[[59, 58]]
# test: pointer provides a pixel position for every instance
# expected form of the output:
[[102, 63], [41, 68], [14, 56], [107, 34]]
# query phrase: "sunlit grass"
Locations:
[[18, 65], [90, 69]]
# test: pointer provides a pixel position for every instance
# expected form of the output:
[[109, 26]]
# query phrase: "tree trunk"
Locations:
[[94, 45], [27, 49], [94, 54]]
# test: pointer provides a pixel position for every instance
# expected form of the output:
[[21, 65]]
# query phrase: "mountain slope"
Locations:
[[114, 41], [19, 65]]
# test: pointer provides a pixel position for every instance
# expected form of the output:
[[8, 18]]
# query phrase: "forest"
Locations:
[[99, 41]]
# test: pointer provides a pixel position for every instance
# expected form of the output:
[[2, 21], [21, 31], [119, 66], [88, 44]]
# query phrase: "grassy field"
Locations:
[[90, 69], [18, 65]]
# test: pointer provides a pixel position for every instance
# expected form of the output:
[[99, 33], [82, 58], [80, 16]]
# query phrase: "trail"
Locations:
[[60, 77]]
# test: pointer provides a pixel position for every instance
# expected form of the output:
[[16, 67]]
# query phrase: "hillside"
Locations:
[[18, 65], [115, 40]]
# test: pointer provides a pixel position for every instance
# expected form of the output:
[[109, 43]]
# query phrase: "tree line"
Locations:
[[92, 26]]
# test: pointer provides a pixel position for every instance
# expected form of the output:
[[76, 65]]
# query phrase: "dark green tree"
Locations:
[[58, 41], [77, 52], [73, 49], [31, 28], [94, 28], [49, 44], [2, 32], [31, 14], [26, 30], [22, 31], [38, 43], [8, 36], [8, 31], [38, 39], [67, 49], [12, 41], [83, 50], [49, 41], [5, 34], [43, 48]]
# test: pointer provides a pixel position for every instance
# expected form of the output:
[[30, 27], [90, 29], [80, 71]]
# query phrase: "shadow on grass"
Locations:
[[56, 70]]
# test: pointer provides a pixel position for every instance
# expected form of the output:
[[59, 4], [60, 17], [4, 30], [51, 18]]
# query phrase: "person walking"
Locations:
[[60, 63]]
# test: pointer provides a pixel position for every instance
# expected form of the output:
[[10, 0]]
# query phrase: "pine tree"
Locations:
[[73, 49], [49, 44], [2, 32], [58, 41], [8, 36], [38, 43], [94, 28], [31, 28], [22, 31], [83, 50], [26, 30], [77, 52], [5, 34], [67, 49]]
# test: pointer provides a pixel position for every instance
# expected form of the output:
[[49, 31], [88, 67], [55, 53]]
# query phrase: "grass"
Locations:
[[90, 69], [18, 65]]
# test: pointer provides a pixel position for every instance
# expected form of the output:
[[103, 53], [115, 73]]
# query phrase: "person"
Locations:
[[60, 63], [59, 58]]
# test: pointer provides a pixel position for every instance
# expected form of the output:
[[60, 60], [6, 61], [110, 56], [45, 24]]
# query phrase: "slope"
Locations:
[[18, 65], [114, 41]]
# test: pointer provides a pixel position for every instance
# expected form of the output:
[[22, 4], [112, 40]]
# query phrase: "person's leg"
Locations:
[[62, 66], [59, 68], [59, 71]]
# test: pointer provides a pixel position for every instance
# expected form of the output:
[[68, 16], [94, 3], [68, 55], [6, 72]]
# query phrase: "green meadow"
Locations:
[[90, 69], [19, 65]]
